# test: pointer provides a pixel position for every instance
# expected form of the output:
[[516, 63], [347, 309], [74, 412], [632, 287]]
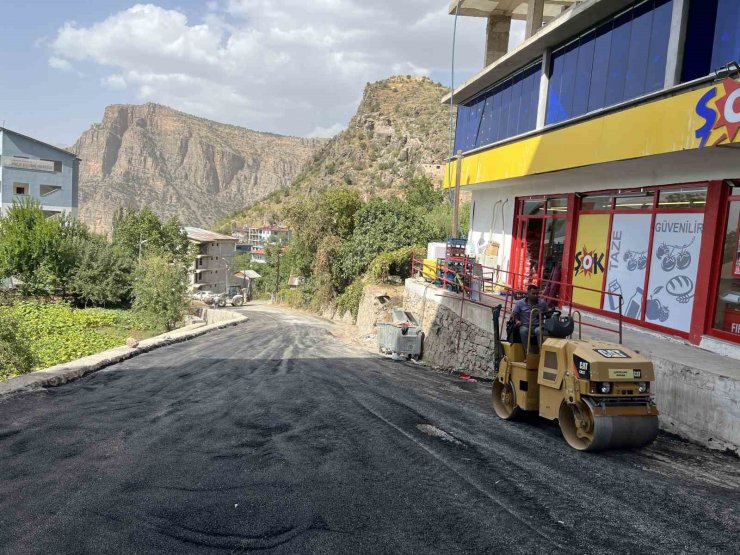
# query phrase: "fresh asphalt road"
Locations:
[[275, 436]]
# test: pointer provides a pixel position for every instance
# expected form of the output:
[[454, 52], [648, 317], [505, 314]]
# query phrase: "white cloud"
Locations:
[[60, 63], [327, 132], [292, 66], [115, 81]]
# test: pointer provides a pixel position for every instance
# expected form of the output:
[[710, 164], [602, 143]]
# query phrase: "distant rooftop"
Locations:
[[200, 235], [60, 149]]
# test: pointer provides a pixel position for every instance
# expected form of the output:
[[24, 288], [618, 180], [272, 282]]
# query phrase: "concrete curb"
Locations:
[[63, 373]]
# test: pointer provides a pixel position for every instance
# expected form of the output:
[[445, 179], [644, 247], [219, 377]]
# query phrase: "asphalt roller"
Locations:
[[599, 392]]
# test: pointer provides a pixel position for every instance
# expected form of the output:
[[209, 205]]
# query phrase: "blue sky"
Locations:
[[285, 66]]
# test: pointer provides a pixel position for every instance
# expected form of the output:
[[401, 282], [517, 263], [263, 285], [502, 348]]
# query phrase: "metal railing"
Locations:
[[496, 286]]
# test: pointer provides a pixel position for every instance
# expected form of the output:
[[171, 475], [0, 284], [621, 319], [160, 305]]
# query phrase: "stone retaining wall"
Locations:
[[439, 317]]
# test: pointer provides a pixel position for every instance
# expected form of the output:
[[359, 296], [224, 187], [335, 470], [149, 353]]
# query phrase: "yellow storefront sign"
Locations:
[[590, 259], [700, 118]]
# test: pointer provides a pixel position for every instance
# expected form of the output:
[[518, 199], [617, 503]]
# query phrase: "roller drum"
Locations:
[[608, 432]]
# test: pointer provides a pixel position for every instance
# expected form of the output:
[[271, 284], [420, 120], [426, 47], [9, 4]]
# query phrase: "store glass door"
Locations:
[[541, 237], [727, 307]]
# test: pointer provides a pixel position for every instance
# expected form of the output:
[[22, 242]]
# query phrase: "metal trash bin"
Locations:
[[402, 337]]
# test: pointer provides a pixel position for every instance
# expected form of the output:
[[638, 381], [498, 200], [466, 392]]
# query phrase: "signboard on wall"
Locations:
[[673, 269], [628, 261], [590, 260], [28, 163]]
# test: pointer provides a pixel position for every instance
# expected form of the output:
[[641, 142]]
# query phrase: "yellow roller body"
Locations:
[[598, 391]]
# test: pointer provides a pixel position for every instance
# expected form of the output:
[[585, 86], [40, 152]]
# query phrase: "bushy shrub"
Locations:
[[15, 353], [396, 263], [159, 291], [351, 297]]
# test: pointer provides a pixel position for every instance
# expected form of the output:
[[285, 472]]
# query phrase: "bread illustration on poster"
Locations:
[[673, 269]]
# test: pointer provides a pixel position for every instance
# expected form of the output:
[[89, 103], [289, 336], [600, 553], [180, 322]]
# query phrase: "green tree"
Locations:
[[380, 226], [28, 241], [159, 290], [103, 273], [140, 232], [420, 193]]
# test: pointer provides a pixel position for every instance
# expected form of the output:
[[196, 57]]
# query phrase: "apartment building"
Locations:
[[32, 169], [214, 263]]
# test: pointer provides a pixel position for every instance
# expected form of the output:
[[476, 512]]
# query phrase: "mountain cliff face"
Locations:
[[180, 165], [400, 131]]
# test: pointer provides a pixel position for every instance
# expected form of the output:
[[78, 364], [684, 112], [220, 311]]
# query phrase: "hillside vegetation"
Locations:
[[400, 126]]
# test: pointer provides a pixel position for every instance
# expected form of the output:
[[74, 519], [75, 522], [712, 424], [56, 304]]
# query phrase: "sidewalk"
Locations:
[[697, 391]]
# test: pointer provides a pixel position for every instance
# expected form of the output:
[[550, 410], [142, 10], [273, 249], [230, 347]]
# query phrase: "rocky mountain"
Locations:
[[181, 165], [400, 131]]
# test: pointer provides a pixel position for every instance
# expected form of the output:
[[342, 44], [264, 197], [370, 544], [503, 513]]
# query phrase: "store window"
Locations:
[[641, 246], [621, 59], [727, 312], [636, 201], [690, 197], [597, 202]]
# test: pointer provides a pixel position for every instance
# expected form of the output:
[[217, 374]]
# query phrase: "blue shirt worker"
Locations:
[[523, 319]]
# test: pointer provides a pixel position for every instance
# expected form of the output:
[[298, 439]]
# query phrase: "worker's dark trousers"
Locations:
[[535, 339]]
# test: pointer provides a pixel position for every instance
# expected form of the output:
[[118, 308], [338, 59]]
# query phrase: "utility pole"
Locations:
[[456, 210], [277, 277]]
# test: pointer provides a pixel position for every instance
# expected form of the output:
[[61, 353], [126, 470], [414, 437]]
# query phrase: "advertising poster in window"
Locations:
[[589, 264], [628, 261], [673, 269]]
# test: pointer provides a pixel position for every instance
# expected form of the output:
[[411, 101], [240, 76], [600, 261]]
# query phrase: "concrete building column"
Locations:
[[544, 88], [497, 37], [676, 41], [535, 12]]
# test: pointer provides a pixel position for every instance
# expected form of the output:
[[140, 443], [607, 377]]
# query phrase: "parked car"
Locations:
[[202, 295], [234, 296]]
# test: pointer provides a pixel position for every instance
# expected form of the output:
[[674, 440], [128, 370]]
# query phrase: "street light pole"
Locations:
[[277, 277]]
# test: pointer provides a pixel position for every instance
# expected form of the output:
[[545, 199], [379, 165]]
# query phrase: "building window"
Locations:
[[47, 190], [712, 37], [506, 110], [20, 189], [727, 307], [621, 59]]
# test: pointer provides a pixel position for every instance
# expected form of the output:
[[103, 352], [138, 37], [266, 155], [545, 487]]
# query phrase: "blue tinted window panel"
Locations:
[[638, 54], [567, 85], [496, 120], [462, 114], [660, 32], [602, 50], [475, 123], [505, 107], [584, 67], [555, 110], [697, 53], [484, 133], [516, 102], [526, 106], [726, 46], [618, 59]]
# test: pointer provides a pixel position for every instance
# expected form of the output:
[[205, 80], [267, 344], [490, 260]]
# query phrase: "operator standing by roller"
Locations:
[[523, 320]]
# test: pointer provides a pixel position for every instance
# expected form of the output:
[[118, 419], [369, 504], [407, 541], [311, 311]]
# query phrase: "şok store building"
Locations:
[[604, 151]]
